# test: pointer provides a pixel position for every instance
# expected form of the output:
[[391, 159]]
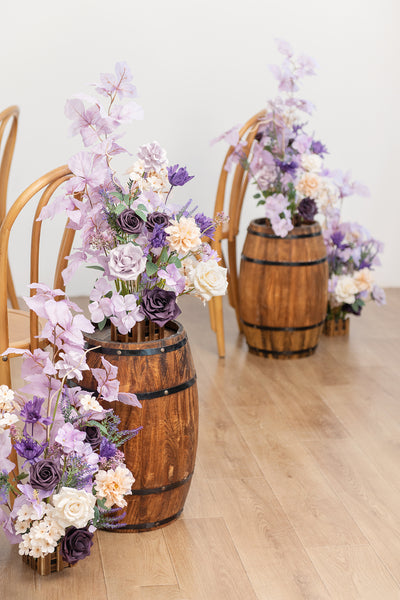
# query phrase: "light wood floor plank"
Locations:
[[206, 561], [354, 573]]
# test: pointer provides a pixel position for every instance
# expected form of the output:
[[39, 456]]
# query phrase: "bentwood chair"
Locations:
[[8, 134], [19, 329], [231, 203]]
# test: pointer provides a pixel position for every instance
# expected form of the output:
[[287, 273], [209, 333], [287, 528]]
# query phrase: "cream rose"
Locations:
[[308, 185], [364, 280], [311, 162], [346, 289], [210, 279], [328, 194], [183, 236], [73, 507]]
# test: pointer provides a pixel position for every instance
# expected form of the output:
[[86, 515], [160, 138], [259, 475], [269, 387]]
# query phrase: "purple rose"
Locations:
[[307, 209], [157, 218], [76, 545], [45, 475], [129, 221], [93, 435], [160, 306]]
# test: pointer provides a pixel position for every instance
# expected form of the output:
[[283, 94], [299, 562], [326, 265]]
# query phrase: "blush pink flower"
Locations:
[[183, 236], [113, 485]]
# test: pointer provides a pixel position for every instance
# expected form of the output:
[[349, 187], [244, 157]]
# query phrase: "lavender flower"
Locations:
[[178, 176], [205, 224], [158, 236], [107, 448]]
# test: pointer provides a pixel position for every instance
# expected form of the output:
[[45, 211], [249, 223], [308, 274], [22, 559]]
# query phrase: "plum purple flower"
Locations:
[[160, 306], [178, 176]]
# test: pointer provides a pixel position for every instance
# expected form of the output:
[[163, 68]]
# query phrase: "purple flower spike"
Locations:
[[178, 175], [205, 224]]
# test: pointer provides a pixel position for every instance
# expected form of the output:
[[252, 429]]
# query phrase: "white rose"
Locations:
[[364, 280], [210, 279], [346, 289], [73, 507], [328, 194], [311, 162]]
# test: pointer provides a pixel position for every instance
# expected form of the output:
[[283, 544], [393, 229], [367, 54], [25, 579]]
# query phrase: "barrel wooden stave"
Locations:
[[283, 306], [162, 456]]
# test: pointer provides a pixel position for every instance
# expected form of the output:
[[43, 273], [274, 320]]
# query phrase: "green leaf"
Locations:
[[175, 260], [117, 195], [119, 209], [257, 196], [151, 268], [260, 202], [102, 323], [163, 258], [21, 476], [99, 425], [96, 267], [141, 214]]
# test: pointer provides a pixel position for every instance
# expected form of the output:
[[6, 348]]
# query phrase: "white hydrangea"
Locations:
[[6, 420]]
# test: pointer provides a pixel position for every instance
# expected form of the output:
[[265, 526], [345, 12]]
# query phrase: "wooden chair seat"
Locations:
[[19, 328]]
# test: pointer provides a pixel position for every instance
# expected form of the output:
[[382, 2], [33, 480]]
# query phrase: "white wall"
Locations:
[[201, 66]]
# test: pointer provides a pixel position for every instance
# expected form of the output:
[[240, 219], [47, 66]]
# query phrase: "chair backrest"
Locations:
[[43, 190], [8, 131], [231, 202], [8, 134]]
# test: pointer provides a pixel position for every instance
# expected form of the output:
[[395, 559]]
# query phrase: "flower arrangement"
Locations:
[[72, 472], [286, 162], [150, 250], [352, 256]]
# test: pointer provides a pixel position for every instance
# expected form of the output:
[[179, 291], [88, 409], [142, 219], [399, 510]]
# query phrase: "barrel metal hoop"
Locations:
[[282, 353], [288, 237], [283, 264], [164, 488], [141, 352], [167, 391], [144, 526], [268, 328]]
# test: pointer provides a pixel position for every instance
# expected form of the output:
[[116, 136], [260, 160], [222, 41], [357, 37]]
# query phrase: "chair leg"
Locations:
[[234, 281], [11, 289], [219, 325], [211, 310]]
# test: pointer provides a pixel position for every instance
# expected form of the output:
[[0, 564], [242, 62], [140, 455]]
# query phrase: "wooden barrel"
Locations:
[[283, 290], [162, 456]]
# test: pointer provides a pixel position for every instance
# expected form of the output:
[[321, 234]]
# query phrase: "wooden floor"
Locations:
[[296, 493]]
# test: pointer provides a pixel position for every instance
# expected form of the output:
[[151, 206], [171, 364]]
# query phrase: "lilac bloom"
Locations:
[[119, 84], [153, 156], [337, 238], [7, 523], [178, 176], [126, 113], [69, 437], [231, 136], [284, 47], [6, 465], [302, 143], [88, 122], [107, 384], [88, 170], [378, 295], [173, 278]]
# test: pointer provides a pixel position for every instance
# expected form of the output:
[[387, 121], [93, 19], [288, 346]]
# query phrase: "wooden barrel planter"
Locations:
[[336, 327], [162, 456], [283, 289]]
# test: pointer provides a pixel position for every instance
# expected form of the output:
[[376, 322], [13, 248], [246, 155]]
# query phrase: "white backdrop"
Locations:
[[201, 66]]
